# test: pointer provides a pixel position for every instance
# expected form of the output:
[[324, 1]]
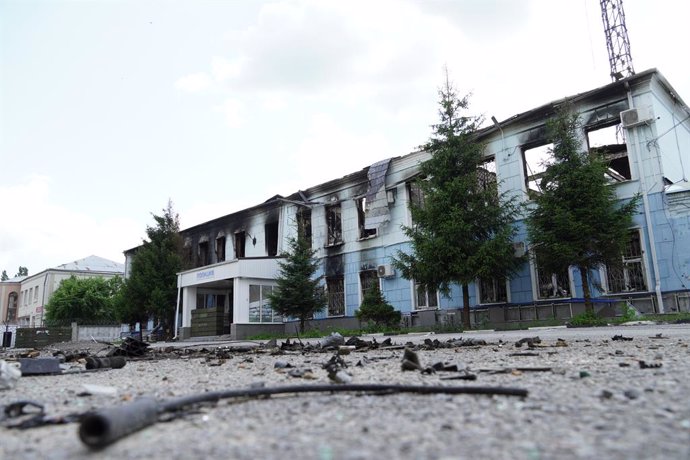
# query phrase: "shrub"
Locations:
[[376, 309]]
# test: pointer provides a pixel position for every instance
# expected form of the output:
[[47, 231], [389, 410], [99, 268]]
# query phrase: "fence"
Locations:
[[38, 337]]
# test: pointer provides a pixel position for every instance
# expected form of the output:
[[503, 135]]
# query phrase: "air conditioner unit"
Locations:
[[385, 271], [519, 249], [637, 116]]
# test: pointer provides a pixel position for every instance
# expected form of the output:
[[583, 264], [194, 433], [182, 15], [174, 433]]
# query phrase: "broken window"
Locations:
[[552, 285], [240, 238], [361, 215], [426, 296], [492, 290], [260, 310], [271, 232], [304, 224], [203, 253], [629, 276], [486, 174], [416, 194], [609, 142], [535, 160], [334, 224], [220, 249], [368, 279], [335, 290], [12, 307], [187, 252]]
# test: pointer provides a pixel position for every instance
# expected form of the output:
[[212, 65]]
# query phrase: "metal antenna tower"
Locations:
[[617, 42]]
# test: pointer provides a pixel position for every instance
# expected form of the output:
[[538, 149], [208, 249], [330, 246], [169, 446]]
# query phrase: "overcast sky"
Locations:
[[110, 108]]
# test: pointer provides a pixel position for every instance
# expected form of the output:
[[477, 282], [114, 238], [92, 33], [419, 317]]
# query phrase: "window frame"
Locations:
[[547, 155], [635, 233], [364, 275], [554, 282], [334, 224], [499, 286], [417, 288], [335, 294], [363, 233]]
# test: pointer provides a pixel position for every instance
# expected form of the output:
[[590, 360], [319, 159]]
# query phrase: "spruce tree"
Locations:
[[376, 308], [298, 293], [578, 220], [464, 228], [151, 289]]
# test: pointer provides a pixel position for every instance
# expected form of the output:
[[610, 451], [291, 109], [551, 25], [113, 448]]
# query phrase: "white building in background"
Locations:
[[32, 293]]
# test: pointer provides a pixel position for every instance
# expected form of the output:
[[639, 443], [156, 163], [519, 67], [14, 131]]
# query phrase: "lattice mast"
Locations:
[[617, 42]]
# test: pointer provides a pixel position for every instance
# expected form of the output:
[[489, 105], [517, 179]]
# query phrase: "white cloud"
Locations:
[[193, 83], [231, 110], [44, 234], [330, 151], [223, 69]]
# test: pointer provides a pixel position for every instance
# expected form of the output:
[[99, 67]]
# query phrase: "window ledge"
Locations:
[[334, 245], [364, 238]]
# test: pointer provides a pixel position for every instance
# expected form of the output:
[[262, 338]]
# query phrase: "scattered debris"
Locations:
[[39, 366], [530, 341], [646, 365], [584, 374], [606, 394], [561, 343], [9, 374], [332, 341], [116, 362], [524, 353], [410, 361], [97, 390], [659, 336], [631, 394], [282, 365], [620, 337], [131, 347]]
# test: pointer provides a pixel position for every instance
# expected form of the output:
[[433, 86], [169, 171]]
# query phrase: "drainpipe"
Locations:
[[177, 306], [645, 205]]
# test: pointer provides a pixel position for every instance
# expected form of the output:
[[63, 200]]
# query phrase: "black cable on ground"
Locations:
[[101, 428]]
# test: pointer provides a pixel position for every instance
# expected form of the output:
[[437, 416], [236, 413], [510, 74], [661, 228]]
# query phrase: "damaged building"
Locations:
[[355, 225]]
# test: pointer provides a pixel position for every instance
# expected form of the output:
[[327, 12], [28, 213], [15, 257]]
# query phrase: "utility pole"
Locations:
[[617, 42]]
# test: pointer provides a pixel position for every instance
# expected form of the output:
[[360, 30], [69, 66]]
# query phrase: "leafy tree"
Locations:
[[22, 271], [84, 299], [298, 293], [577, 220], [375, 308], [151, 289], [4, 276], [463, 230]]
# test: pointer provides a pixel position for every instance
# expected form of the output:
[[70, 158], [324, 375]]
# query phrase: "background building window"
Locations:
[[335, 289], [552, 285], [361, 217], [260, 310], [629, 276], [535, 160], [334, 224], [304, 224], [368, 279], [220, 249], [493, 290], [426, 296]]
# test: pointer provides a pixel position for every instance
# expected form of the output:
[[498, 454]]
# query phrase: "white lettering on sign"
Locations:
[[205, 275]]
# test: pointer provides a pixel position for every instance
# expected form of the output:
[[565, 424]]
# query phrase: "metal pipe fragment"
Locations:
[[98, 429]]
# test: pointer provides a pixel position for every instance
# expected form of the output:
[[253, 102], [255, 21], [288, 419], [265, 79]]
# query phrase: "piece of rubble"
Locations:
[[410, 361], [39, 366], [9, 374], [332, 341], [620, 337], [646, 365], [530, 341]]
